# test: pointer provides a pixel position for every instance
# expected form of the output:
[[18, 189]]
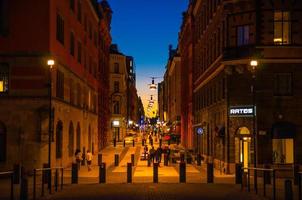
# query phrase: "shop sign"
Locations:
[[242, 111]]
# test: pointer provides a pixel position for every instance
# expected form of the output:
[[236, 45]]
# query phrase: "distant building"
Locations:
[[69, 33]]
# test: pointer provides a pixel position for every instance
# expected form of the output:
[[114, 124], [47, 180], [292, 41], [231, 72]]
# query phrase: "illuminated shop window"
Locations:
[[283, 151], [282, 27], [4, 78]]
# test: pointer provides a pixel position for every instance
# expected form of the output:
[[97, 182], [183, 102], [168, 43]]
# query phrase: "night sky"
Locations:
[[144, 29]]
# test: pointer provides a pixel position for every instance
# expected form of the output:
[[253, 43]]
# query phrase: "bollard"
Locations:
[[124, 143], [149, 161], [102, 173], [288, 195], [24, 189], [74, 173], [238, 173], [132, 159], [267, 175], [198, 159], [182, 172], [100, 159], [129, 172], [16, 174], [116, 160], [45, 173], [155, 173], [165, 160], [210, 173], [133, 143]]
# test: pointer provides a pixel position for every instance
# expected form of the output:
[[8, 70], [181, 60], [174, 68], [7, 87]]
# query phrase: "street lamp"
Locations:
[[50, 64]]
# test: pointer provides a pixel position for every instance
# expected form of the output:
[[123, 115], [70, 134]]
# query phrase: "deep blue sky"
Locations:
[[144, 29]]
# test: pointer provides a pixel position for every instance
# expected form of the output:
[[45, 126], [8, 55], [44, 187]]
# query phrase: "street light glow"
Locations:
[[254, 63], [50, 63]]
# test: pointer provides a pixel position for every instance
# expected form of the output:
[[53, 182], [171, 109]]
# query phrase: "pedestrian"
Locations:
[[152, 154], [145, 151], [78, 157], [159, 152], [168, 151], [89, 159]]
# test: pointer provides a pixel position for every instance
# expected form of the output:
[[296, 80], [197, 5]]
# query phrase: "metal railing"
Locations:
[[49, 176], [11, 174]]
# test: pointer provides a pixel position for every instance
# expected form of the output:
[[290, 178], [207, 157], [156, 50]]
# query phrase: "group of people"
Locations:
[[81, 158]]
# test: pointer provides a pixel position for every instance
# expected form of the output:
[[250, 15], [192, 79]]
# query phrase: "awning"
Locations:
[[283, 130]]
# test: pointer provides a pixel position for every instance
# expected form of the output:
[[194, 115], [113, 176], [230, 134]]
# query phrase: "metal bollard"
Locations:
[[116, 160], [124, 143], [288, 195], [133, 143], [210, 173], [238, 174], [155, 173], [74, 173], [100, 159], [132, 159], [102, 173], [182, 172], [129, 172]]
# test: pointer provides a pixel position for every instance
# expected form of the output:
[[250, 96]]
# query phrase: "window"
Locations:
[[71, 92], [96, 39], [116, 86], [4, 73], [116, 107], [60, 85], [72, 43], [4, 17], [71, 140], [243, 35], [116, 68], [283, 84], [78, 136], [90, 31], [79, 11], [282, 27], [59, 139], [79, 95], [79, 52], [60, 29], [283, 151], [71, 4], [2, 142]]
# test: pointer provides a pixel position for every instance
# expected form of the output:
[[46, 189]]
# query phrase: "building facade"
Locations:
[[68, 33], [246, 86]]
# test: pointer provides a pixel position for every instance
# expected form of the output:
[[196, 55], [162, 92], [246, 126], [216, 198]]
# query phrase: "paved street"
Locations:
[[153, 191]]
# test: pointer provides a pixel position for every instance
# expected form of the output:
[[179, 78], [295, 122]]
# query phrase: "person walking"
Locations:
[[78, 157], [89, 159], [159, 152], [152, 154]]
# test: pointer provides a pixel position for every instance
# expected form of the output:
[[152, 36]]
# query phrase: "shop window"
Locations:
[[282, 27], [4, 78], [60, 85], [59, 139], [60, 29], [283, 84], [283, 151], [243, 35], [2, 142]]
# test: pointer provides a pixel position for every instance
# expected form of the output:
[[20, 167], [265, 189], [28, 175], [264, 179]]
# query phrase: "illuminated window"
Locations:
[[243, 35], [4, 73], [283, 151], [282, 27]]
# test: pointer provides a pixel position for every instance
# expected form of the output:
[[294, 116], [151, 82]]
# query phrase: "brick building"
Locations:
[[245, 112], [69, 33]]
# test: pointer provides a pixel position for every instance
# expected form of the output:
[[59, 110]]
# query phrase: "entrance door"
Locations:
[[245, 151]]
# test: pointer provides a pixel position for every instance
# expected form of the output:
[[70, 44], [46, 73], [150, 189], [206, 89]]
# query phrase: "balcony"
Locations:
[[242, 52]]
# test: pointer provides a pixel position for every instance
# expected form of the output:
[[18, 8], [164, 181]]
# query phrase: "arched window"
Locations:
[[78, 136], [71, 139], [2, 142], [59, 139], [89, 138]]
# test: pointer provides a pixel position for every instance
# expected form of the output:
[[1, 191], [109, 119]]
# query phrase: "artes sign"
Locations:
[[242, 111]]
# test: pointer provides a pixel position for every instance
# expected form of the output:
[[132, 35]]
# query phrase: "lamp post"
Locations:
[[50, 64]]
